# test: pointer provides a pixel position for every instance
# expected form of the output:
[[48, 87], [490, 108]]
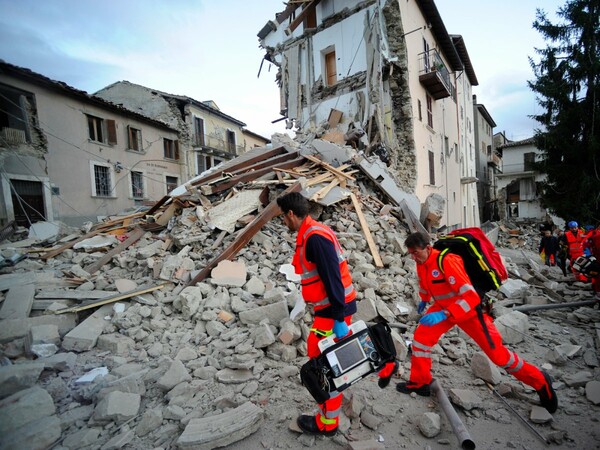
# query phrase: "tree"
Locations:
[[567, 86]]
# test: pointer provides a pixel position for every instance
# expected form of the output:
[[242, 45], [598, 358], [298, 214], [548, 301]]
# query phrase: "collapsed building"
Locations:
[[182, 326], [389, 77]]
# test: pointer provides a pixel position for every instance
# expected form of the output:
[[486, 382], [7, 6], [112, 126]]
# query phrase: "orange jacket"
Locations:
[[313, 289], [451, 290], [575, 242]]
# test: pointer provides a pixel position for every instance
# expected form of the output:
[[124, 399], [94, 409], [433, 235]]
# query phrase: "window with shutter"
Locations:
[[431, 168], [111, 126], [135, 139]]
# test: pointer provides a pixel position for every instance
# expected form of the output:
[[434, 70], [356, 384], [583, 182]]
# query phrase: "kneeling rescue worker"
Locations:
[[454, 303], [327, 286]]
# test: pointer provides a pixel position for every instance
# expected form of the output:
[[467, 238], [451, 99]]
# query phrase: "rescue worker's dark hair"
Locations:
[[294, 202], [417, 240]]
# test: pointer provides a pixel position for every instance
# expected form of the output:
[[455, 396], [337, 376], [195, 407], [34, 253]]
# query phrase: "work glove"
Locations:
[[421, 307], [340, 329], [433, 318]]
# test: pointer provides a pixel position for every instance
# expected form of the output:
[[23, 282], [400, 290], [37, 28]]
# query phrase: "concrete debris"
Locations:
[[215, 362]]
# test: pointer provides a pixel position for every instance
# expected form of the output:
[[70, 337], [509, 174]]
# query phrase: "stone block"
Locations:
[[483, 368], [23, 407], [229, 273], [151, 420], [19, 328], [42, 340], [177, 373], [59, 362], [18, 302], [115, 343], [275, 313], [366, 310], [223, 429], [38, 435], [118, 407], [81, 438], [512, 326], [85, 336], [17, 377]]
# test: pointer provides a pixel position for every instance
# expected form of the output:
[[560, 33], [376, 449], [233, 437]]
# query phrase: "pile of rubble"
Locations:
[[183, 326]]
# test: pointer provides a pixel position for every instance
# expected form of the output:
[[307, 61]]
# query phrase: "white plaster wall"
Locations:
[[70, 151]]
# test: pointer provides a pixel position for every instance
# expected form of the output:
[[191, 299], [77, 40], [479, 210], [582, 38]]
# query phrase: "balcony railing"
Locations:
[[495, 160], [210, 142], [434, 75], [12, 136]]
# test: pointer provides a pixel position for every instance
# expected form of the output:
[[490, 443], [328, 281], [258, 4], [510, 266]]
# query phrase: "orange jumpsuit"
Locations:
[[326, 307], [576, 242], [452, 291]]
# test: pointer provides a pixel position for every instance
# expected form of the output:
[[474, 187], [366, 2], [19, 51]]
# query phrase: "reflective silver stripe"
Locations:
[[305, 275], [464, 305], [422, 354], [333, 414], [444, 296], [325, 301], [518, 367], [348, 290], [464, 288], [423, 291], [510, 361], [421, 346]]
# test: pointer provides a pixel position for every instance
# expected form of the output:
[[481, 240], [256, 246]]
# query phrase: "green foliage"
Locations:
[[567, 85]]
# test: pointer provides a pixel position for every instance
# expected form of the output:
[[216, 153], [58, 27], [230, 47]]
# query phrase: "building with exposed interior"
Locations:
[[390, 70]]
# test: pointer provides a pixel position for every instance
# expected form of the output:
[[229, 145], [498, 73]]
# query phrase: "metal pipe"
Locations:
[[527, 308], [459, 429]]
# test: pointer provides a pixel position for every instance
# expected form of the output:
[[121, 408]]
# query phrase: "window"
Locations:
[[101, 130], [204, 162], [14, 123], [330, 69], [430, 111], [198, 131], [135, 139], [528, 160], [431, 169], [137, 184], [427, 66], [171, 149], [419, 110], [102, 185], [310, 20], [172, 183], [231, 141]]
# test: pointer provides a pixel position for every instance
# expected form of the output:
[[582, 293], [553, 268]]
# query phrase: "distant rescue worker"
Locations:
[[562, 254], [593, 244], [549, 246], [327, 286], [454, 303], [575, 239]]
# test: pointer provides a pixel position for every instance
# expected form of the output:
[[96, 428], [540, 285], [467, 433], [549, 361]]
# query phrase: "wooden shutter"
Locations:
[[330, 68], [176, 146], [431, 169], [111, 127]]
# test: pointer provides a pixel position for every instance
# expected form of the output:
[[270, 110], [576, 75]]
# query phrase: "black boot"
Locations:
[[308, 424], [548, 398], [384, 381], [408, 388]]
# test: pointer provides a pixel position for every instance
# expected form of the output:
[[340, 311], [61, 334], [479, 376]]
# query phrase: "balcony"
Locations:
[[217, 146], [495, 161], [434, 75], [13, 136]]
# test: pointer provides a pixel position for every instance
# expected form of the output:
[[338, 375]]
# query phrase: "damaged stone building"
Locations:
[[208, 136], [390, 79], [73, 157]]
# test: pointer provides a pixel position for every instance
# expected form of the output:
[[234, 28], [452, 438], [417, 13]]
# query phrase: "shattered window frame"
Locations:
[[137, 185], [134, 139], [171, 182], [102, 180], [14, 118], [171, 148], [96, 129]]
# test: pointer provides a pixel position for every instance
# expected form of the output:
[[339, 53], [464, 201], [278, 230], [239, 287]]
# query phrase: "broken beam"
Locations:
[[135, 236], [270, 211], [68, 245], [363, 223]]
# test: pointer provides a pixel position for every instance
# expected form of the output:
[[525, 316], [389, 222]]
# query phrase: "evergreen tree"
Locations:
[[567, 86]]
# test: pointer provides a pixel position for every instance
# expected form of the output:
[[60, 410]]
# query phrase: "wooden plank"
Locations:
[[68, 245], [367, 231], [329, 167], [114, 298], [135, 236], [158, 204], [270, 211], [325, 190], [164, 218], [72, 295], [251, 176], [300, 17]]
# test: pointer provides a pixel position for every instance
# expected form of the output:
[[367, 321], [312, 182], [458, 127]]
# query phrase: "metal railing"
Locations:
[[217, 144], [431, 61], [13, 136]]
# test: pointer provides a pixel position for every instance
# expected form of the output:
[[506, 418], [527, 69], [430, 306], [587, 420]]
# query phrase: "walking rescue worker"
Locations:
[[575, 238], [454, 303], [326, 285]]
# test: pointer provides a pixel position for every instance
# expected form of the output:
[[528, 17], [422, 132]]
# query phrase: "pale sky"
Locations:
[[208, 50]]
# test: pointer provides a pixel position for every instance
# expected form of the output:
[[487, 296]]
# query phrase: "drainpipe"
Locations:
[[457, 426]]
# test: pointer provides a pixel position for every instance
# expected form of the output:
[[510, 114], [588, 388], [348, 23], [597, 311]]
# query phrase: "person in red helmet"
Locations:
[[575, 240], [326, 285], [455, 303]]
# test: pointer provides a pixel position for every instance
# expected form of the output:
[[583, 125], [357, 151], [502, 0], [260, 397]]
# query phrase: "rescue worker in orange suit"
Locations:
[[326, 284], [575, 239], [593, 244], [454, 303]]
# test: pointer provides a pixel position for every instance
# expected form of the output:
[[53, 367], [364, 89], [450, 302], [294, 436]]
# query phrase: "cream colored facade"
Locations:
[[208, 136], [399, 76], [75, 158]]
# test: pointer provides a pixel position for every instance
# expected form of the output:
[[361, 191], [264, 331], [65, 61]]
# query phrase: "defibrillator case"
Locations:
[[587, 265], [346, 361]]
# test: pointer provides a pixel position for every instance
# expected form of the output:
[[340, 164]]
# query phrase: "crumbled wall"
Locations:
[[403, 156]]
